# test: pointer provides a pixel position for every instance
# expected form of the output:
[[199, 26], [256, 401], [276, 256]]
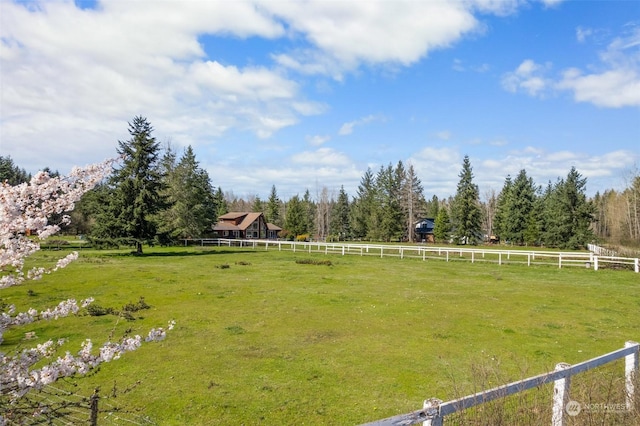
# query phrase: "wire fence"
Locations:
[[54, 405]]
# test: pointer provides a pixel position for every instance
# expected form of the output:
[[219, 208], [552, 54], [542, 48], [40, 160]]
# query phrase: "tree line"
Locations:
[[159, 196]]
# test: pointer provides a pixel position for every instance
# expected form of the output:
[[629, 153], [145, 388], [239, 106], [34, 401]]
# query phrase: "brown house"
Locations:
[[245, 225]]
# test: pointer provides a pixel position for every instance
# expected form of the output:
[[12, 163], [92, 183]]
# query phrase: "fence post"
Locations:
[[432, 407], [560, 396], [636, 265], [631, 372], [94, 407], [595, 263]]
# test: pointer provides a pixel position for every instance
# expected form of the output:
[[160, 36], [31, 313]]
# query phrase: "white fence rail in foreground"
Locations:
[[424, 252], [434, 410]]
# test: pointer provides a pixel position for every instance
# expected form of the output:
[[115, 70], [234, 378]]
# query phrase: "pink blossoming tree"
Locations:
[[25, 210]]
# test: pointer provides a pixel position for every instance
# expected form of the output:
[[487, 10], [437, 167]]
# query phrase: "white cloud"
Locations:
[[529, 77], [347, 128], [321, 156], [583, 33], [610, 89], [613, 83], [551, 3], [74, 77], [317, 140], [400, 32]]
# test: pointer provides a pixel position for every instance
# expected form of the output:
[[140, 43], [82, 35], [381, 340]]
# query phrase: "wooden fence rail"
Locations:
[[434, 410], [424, 252]]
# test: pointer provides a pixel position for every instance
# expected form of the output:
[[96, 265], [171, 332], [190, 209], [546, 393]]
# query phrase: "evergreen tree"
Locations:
[[309, 212], [568, 214], [258, 205], [295, 220], [503, 203], [273, 207], [137, 188], [466, 212], [519, 213], [442, 226], [88, 210], [11, 173], [364, 206], [432, 207], [220, 201], [388, 184], [340, 218], [190, 193]]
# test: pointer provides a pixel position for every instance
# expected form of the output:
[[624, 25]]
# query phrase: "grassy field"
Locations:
[[265, 337]]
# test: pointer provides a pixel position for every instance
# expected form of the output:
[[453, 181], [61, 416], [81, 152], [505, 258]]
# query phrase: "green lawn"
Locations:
[[269, 340]]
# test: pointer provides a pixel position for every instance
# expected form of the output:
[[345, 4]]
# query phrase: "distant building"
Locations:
[[245, 225], [424, 230]]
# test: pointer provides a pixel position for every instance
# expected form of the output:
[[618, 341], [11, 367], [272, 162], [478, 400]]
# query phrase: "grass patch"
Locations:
[[325, 262], [278, 342]]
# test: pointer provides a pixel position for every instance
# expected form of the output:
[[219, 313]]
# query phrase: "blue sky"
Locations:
[[309, 94]]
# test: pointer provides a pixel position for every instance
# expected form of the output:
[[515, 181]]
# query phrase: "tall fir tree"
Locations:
[[273, 207], [193, 207], [569, 214], [340, 218], [222, 207], [390, 224], [138, 188], [295, 219], [363, 208], [503, 202], [518, 214], [442, 226], [465, 212], [309, 212]]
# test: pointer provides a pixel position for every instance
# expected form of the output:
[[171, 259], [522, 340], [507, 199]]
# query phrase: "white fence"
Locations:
[[601, 251], [434, 410], [424, 252]]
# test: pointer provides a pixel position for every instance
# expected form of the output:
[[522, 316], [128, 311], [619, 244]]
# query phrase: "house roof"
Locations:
[[248, 220], [224, 226], [272, 227], [232, 215]]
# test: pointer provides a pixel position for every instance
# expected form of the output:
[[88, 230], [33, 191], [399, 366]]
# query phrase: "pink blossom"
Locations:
[[25, 209]]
